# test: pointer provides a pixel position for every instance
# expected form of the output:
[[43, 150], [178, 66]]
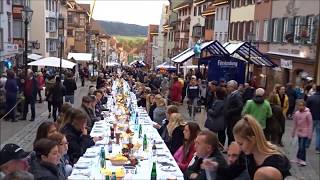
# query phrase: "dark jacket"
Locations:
[[196, 167], [45, 171], [215, 117], [292, 96], [211, 97], [35, 88], [193, 92], [78, 143], [313, 103], [275, 125], [151, 110], [98, 110], [58, 91], [236, 171], [176, 140], [99, 82], [11, 89], [232, 109], [248, 94], [70, 85]]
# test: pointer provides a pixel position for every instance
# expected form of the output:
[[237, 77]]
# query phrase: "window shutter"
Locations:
[[290, 25], [270, 29], [303, 21], [280, 29], [315, 25]]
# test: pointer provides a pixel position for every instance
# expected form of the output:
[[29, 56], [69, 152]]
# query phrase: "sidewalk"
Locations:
[[23, 132]]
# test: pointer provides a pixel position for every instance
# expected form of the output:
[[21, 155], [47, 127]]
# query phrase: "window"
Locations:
[[237, 3], [51, 45], [217, 13], [199, 11], [47, 4], [216, 35], [221, 13], [17, 2], [79, 35], [17, 27], [70, 17], [82, 21], [296, 29], [285, 29], [195, 11], [9, 27], [242, 3], [227, 13], [51, 25], [220, 37], [310, 29], [70, 32], [1, 39], [225, 37], [265, 30], [275, 30], [204, 7], [1, 6], [257, 26]]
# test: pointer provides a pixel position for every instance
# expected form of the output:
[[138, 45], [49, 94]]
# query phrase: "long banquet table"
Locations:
[[88, 166]]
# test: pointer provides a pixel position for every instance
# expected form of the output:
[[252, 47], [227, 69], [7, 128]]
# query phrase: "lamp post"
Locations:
[[61, 39], [26, 17]]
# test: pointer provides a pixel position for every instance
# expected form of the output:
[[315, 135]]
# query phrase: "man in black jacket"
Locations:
[[233, 108], [58, 91], [206, 145], [70, 85]]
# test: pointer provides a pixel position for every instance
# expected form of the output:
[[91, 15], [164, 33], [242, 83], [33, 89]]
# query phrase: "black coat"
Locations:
[[70, 85], [45, 171], [58, 91], [232, 109], [313, 103], [176, 140], [78, 143], [196, 167], [215, 117], [292, 96]]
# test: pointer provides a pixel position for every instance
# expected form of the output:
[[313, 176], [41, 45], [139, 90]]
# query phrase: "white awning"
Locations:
[[112, 64], [52, 62], [34, 56], [81, 56]]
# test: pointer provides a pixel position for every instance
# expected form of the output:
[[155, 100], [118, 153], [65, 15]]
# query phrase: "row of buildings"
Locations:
[[285, 30], [81, 34]]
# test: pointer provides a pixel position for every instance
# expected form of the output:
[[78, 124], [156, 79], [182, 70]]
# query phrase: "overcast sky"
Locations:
[[141, 12]]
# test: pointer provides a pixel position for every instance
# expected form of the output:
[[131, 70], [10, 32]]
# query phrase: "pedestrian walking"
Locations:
[[49, 85], [57, 91], [41, 82], [193, 95], [313, 103], [283, 100], [292, 97], [82, 76], [176, 91], [233, 108], [259, 108], [30, 94], [70, 85], [11, 96], [302, 128]]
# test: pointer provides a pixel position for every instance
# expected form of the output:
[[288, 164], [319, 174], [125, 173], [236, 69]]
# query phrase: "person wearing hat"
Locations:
[[12, 158]]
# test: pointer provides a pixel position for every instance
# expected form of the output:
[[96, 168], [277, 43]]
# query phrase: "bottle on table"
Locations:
[[111, 132], [145, 142], [102, 158], [140, 131], [110, 146], [113, 176], [154, 171], [107, 177], [154, 148]]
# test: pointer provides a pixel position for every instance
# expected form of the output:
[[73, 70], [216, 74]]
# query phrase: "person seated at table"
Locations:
[[67, 118], [98, 105], [185, 153], [64, 163], [267, 173], [77, 136], [104, 98], [47, 159], [159, 112], [151, 105], [162, 128], [64, 109], [207, 147], [45, 129], [175, 131], [86, 107], [12, 158]]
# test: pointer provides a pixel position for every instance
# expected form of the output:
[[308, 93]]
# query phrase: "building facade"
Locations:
[[152, 32], [221, 20], [209, 15]]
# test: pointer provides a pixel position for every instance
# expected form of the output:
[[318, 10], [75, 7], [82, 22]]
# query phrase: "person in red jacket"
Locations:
[[41, 82], [185, 153], [176, 91]]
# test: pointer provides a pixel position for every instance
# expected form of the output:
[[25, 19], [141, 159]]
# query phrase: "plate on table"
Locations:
[[90, 154], [78, 177], [168, 169], [82, 165]]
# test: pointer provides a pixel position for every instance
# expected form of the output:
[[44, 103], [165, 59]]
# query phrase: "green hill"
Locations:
[[123, 29]]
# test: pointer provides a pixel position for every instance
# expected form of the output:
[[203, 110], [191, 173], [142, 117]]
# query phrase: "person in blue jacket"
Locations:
[[11, 96]]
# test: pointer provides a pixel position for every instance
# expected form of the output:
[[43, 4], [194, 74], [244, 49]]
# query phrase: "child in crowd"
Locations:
[[302, 127]]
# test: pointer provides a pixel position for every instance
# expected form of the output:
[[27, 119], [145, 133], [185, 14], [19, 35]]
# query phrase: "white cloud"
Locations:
[[141, 12]]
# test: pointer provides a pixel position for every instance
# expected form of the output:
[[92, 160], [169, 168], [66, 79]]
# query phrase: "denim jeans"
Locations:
[[69, 98], [316, 127], [302, 148]]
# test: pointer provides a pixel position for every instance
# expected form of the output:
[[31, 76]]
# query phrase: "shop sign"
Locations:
[[12, 48], [287, 64]]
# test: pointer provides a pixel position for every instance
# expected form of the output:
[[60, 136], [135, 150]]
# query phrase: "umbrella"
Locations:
[[81, 56], [52, 62], [166, 66], [34, 56]]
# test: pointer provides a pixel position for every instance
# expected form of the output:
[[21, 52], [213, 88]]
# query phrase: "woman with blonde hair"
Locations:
[[175, 129], [260, 153]]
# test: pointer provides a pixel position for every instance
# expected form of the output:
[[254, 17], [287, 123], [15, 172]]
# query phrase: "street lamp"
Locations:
[[61, 39], [26, 17]]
